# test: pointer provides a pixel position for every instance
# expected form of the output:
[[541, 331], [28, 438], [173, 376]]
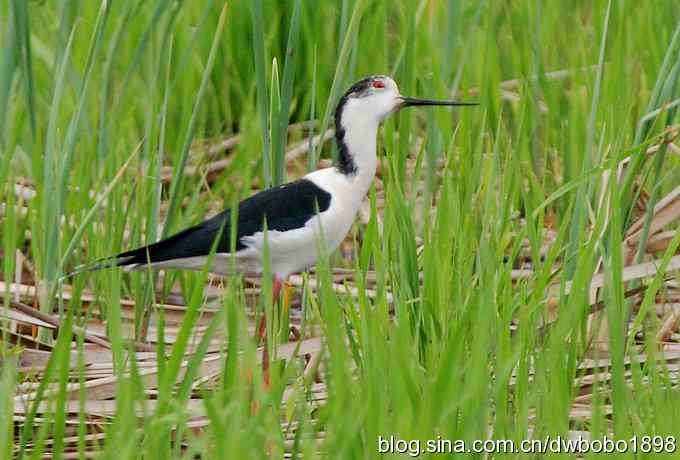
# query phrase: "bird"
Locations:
[[297, 216]]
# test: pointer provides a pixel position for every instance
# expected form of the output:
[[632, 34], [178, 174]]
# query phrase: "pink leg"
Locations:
[[262, 331], [276, 288]]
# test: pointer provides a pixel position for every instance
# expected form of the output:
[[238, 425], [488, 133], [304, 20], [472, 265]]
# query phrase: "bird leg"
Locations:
[[276, 288], [262, 332], [286, 297]]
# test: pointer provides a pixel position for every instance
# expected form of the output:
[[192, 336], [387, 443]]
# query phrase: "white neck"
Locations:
[[360, 134]]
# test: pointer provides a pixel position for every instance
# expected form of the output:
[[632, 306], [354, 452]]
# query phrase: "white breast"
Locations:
[[295, 250]]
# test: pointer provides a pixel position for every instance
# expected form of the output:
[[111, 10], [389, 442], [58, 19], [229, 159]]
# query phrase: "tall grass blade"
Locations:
[[178, 174], [340, 67], [286, 95], [52, 206], [584, 191], [261, 85], [21, 21]]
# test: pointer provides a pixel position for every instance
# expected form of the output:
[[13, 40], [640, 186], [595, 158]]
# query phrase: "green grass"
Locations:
[[96, 98]]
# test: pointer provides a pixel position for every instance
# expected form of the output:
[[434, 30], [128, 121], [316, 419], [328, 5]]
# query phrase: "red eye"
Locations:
[[378, 84]]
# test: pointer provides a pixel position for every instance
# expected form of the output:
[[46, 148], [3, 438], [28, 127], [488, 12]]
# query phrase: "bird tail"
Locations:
[[169, 248], [99, 264]]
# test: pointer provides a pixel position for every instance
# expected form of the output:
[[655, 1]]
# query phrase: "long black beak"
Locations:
[[412, 101]]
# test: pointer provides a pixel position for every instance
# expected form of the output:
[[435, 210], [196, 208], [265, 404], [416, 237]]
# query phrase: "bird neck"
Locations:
[[356, 141]]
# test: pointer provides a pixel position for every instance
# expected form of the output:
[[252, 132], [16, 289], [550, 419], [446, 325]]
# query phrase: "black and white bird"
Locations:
[[320, 206], [296, 213]]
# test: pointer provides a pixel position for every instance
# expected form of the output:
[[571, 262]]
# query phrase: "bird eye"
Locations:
[[378, 84]]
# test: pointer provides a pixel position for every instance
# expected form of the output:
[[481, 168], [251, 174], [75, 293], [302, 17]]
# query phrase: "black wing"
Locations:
[[285, 207]]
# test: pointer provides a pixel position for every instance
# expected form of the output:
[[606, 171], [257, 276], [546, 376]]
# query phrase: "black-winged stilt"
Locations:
[[320, 206]]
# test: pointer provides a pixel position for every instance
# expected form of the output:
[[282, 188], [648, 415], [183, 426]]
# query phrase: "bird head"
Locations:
[[375, 98]]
